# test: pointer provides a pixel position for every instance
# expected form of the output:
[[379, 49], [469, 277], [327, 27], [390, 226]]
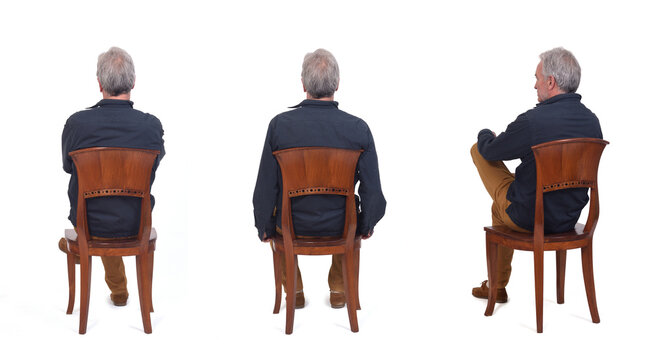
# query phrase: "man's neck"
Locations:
[[106, 96], [327, 98]]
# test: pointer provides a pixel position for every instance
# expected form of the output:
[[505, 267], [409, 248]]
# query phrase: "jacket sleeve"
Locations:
[[510, 144], [158, 138], [372, 201], [266, 190], [67, 146]]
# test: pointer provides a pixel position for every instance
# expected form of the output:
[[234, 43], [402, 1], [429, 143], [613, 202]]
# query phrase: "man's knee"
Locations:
[[474, 152]]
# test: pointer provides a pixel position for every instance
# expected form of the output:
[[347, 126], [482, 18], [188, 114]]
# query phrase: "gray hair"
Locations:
[[320, 74], [562, 65], [115, 71]]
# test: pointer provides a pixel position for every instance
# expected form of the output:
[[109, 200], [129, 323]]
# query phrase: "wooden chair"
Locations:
[[313, 171], [560, 164], [104, 171]]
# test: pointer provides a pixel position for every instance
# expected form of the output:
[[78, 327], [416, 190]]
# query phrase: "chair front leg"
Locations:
[[491, 250], [143, 279], [588, 278]]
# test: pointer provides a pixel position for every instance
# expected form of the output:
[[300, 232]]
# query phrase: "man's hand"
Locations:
[[365, 237], [265, 238]]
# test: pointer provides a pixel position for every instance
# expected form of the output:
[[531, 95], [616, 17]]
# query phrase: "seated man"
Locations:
[[558, 115], [112, 122], [317, 121]]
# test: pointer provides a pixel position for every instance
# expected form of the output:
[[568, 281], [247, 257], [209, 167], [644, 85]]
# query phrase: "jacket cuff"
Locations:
[[485, 132]]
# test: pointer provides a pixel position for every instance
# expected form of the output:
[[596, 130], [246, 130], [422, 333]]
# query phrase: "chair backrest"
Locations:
[[314, 171], [106, 171], [566, 164]]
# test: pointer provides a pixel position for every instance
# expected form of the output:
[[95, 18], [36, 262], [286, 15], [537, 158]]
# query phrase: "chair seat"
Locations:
[[316, 245], [524, 241], [119, 247]]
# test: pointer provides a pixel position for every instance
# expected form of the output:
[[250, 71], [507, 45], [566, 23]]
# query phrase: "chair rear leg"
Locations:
[[357, 278], [350, 284], [290, 262], [561, 260], [70, 261], [588, 278], [491, 249], [85, 291], [151, 263], [277, 274], [538, 261], [144, 298]]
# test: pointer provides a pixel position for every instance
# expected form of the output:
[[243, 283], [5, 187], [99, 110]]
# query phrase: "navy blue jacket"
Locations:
[[560, 117], [317, 123], [111, 123]]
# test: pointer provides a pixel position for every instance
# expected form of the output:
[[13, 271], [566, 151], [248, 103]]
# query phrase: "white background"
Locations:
[[426, 76]]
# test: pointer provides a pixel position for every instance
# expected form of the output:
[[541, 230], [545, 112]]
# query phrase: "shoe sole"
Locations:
[[499, 301]]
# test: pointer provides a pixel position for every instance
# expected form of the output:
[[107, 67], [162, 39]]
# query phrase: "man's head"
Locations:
[[320, 74], [557, 73], [115, 72]]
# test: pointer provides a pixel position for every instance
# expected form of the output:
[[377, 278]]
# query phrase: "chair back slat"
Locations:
[[113, 171], [565, 164], [317, 170], [106, 171], [568, 163]]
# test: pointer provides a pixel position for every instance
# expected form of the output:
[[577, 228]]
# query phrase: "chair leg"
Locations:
[[538, 261], [350, 285], [277, 274], [357, 278], [144, 298], [151, 263], [85, 291], [491, 249], [561, 260], [588, 278], [290, 262], [70, 260]]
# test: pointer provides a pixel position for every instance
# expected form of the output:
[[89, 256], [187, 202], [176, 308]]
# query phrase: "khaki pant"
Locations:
[[115, 275], [114, 272], [335, 276], [497, 179]]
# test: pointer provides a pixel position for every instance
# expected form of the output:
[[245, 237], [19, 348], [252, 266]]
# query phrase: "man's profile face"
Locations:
[[541, 84]]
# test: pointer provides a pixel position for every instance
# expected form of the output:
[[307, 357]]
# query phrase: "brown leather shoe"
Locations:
[[300, 300], [63, 247], [119, 300], [482, 291], [337, 299]]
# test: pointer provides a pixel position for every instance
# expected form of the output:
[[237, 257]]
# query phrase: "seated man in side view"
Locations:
[[317, 121], [558, 115], [112, 122]]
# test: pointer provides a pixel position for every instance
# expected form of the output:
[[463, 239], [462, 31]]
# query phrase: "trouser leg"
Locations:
[[299, 279], [335, 275], [497, 179], [115, 274]]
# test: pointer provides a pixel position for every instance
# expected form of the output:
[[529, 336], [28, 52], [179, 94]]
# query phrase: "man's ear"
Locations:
[[304, 90], [551, 82], [100, 85]]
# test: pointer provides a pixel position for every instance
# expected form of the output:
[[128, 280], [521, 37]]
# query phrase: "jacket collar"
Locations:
[[316, 104], [113, 103], [559, 97]]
